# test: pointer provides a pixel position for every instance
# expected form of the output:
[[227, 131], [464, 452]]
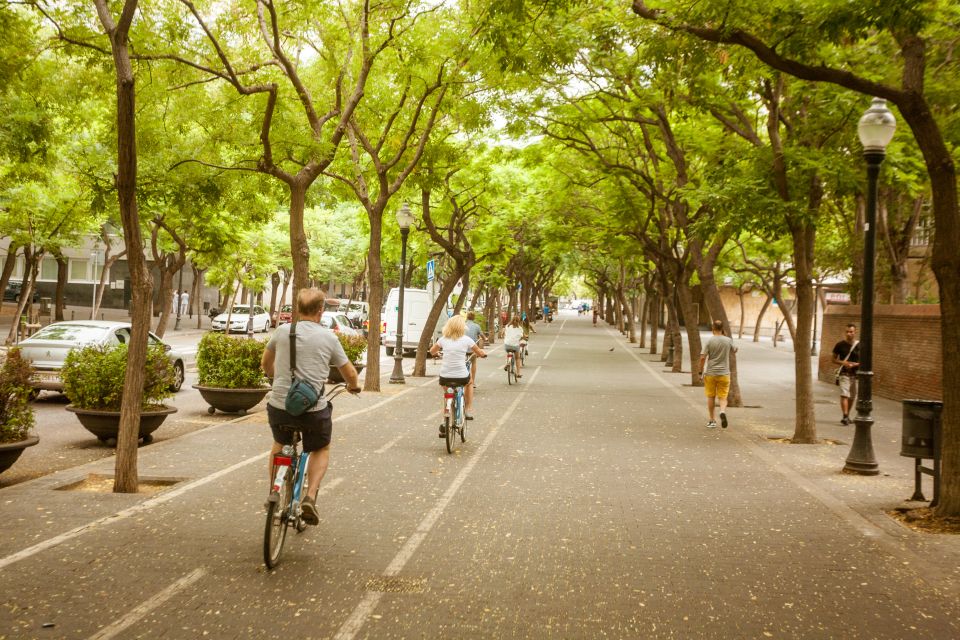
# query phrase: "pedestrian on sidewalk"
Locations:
[[184, 303], [716, 374], [846, 355]]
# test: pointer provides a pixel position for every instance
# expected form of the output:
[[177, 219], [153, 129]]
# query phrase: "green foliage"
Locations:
[[353, 346], [16, 416], [229, 363], [93, 377]]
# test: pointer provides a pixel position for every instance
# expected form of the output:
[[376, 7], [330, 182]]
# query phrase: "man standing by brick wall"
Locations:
[[846, 355]]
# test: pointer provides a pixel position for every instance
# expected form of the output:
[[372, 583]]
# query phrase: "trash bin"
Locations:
[[45, 306], [920, 429], [920, 439]]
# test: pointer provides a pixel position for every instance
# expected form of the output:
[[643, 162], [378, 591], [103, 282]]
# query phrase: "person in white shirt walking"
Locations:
[[184, 303]]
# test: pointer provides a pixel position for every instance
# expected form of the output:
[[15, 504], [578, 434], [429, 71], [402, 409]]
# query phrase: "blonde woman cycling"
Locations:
[[454, 369]]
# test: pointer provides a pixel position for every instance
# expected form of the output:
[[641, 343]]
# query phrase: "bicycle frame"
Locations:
[[453, 397]]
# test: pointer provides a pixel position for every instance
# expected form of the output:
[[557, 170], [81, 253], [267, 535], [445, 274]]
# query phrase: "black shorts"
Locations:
[[454, 382], [316, 427], [510, 348]]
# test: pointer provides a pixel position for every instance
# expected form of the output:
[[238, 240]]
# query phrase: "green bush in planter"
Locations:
[[16, 416], [353, 346], [229, 363], [93, 377]]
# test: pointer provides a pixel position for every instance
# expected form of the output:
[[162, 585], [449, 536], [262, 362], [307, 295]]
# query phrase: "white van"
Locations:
[[416, 307]]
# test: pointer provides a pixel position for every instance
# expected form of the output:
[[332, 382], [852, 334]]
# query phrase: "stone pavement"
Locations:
[[588, 501]]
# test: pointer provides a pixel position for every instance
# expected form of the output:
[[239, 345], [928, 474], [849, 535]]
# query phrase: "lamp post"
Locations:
[[93, 301], [404, 219], [875, 129]]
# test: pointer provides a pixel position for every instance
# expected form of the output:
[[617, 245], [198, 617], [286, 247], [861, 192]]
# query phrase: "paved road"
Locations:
[[589, 501]]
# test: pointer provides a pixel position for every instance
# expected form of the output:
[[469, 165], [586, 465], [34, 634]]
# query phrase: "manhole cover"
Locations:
[[97, 483], [397, 585]]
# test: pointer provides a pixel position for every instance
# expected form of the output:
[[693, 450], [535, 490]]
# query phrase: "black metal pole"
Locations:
[[397, 376], [861, 458]]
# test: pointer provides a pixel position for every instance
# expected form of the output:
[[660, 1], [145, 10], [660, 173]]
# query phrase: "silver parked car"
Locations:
[[240, 319], [338, 323], [48, 348]]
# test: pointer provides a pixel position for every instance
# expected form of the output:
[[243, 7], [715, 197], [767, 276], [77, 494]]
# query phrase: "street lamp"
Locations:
[[93, 302], [404, 219], [875, 129]]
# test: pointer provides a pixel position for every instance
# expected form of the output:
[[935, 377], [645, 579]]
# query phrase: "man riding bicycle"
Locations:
[[317, 350]]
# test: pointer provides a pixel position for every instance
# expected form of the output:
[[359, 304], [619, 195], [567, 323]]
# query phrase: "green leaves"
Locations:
[[93, 377], [229, 363], [16, 415]]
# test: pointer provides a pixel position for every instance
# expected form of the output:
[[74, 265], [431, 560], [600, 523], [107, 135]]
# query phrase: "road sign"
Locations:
[[431, 269]]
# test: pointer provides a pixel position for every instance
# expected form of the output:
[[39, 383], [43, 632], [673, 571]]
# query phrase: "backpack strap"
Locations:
[[293, 350]]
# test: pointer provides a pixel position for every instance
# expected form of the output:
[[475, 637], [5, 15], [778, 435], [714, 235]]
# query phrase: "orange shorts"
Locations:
[[716, 386]]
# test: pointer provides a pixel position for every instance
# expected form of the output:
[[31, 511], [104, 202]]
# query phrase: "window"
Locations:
[[48, 269], [79, 270]]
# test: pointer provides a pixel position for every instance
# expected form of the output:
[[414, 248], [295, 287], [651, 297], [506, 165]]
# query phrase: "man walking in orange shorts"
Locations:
[[716, 373]]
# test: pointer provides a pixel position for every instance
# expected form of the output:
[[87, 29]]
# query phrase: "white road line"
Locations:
[[138, 613], [555, 338], [166, 496], [368, 604]]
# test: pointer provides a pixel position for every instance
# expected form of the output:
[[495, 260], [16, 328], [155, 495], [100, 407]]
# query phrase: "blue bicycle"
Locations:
[[286, 493]]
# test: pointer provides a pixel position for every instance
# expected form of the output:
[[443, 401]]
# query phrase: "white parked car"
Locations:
[[338, 323], [240, 319], [47, 349], [358, 313]]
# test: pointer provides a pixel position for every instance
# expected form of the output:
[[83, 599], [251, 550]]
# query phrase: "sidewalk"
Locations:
[[766, 376], [188, 325]]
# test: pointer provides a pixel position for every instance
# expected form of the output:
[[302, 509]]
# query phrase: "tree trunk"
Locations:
[[644, 313], [655, 306], [804, 236], [688, 309], [274, 284], [375, 280], [763, 310], [300, 251], [58, 303], [197, 289], [125, 476], [31, 269], [740, 294], [8, 265], [489, 311]]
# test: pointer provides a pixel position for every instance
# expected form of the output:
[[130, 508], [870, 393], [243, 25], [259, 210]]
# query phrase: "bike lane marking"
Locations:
[[166, 496], [555, 338], [368, 604], [142, 610]]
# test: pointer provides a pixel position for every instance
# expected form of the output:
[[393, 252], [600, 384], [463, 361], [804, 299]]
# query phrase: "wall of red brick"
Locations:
[[906, 348]]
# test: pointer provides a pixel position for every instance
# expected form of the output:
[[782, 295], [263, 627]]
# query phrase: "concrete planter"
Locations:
[[334, 375], [10, 451], [106, 424], [231, 400]]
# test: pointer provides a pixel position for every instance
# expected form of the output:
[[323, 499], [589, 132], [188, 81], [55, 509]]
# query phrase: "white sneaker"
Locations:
[[712, 424]]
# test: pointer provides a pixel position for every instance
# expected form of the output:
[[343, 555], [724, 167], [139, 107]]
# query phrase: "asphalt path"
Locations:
[[588, 501]]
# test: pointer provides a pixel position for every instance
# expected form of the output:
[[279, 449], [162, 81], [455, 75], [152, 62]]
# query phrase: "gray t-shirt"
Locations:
[[473, 330], [318, 349], [717, 349]]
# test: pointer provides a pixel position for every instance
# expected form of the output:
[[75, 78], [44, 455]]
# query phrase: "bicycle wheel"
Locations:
[[509, 371], [450, 435], [275, 531], [462, 428]]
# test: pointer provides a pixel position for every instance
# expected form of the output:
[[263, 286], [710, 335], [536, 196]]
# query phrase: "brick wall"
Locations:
[[906, 348]]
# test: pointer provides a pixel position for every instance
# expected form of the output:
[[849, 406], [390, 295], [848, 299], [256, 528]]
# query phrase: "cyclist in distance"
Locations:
[[454, 369], [511, 341], [318, 349]]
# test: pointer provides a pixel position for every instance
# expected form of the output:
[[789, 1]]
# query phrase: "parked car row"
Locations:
[[239, 318], [48, 348]]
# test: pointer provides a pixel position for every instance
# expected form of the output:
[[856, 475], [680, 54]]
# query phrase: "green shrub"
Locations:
[[16, 416], [353, 346], [230, 363], [93, 377]]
